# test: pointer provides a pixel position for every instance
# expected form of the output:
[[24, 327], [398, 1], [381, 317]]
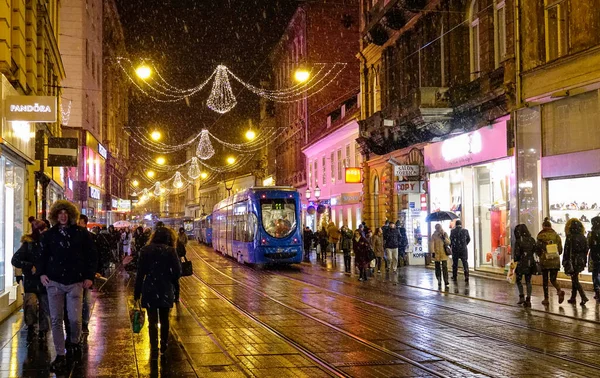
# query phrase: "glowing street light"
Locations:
[[143, 72], [155, 135], [203, 175], [301, 75], [135, 183], [161, 160], [230, 160], [150, 174], [250, 134]]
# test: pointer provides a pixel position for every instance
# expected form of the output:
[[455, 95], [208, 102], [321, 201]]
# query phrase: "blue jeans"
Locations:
[[87, 306], [57, 293]]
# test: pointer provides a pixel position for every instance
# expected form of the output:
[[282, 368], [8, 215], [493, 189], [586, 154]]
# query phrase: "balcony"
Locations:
[[387, 16]]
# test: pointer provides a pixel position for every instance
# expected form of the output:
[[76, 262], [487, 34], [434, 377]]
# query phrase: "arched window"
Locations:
[[499, 31], [376, 201], [474, 39], [376, 89]]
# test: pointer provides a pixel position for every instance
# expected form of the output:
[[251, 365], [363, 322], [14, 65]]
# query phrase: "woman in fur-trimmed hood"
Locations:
[[63, 205]]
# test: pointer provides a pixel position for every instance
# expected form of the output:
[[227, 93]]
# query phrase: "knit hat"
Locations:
[[38, 225]]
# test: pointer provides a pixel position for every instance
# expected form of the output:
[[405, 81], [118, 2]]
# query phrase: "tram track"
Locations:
[[452, 325], [329, 325], [445, 323]]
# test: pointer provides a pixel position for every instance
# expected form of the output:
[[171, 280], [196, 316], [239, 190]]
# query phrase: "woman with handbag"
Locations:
[[159, 270], [575, 257], [549, 253], [524, 254], [439, 246], [361, 248]]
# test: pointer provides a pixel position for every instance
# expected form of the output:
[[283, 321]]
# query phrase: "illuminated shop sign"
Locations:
[[353, 176], [124, 206], [114, 204], [102, 151], [487, 143], [407, 170], [405, 187], [95, 193], [30, 108]]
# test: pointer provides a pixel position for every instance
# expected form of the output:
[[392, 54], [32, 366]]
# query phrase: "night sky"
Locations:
[[187, 39]]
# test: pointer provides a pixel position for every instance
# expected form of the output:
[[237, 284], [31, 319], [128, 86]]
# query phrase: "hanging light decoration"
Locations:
[[194, 170], [157, 189], [205, 149], [221, 98], [177, 182]]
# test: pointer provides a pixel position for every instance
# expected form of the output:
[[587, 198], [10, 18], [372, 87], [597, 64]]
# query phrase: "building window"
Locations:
[[357, 156], [316, 174], [332, 166], [310, 173], [324, 167], [87, 108], [339, 164], [500, 32], [348, 156], [557, 29], [474, 39], [376, 90]]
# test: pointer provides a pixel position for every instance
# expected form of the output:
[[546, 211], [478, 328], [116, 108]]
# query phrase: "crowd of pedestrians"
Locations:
[[60, 260], [386, 246]]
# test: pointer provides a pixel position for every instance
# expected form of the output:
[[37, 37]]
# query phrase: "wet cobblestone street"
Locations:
[[312, 320]]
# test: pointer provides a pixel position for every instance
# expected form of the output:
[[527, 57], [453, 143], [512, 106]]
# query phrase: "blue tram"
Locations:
[[203, 229], [259, 225]]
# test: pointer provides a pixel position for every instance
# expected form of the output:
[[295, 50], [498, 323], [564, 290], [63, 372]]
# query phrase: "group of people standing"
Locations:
[[542, 256], [386, 245]]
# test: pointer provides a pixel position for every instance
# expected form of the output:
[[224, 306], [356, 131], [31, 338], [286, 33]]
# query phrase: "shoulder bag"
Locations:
[[186, 267]]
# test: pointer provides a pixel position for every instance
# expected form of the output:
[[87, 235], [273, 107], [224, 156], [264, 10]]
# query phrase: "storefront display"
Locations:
[[478, 191]]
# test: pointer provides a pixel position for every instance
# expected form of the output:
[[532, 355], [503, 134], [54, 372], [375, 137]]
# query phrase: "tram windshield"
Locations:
[[188, 225], [278, 216]]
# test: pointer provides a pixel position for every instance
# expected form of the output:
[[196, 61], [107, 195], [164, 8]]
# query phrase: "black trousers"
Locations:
[[153, 318], [441, 271], [549, 274], [576, 287], [465, 262], [347, 261]]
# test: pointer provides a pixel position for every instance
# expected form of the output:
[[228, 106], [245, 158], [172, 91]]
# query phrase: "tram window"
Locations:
[[278, 216], [251, 226]]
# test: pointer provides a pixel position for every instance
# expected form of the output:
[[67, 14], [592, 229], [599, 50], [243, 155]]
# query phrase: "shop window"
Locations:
[[474, 40], [557, 28], [500, 32]]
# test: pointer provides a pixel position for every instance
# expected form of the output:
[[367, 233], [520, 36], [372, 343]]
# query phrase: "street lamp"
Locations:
[[150, 174], [135, 183], [317, 192], [301, 75], [203, 175], [250, 134], [161, 160], [230, 160], [143, 71], [155, 135], [307, 193]]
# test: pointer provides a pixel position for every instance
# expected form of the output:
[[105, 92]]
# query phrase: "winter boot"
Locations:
[[597, 296], [521, 300], [561, 296], [545, 302], [527, 303]]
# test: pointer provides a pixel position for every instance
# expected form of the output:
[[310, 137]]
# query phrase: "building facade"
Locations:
[[319, 32], [115, 115], [30, 65], [438, 85]]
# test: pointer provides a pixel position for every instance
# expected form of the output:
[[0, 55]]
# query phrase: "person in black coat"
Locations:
[[158, 272], [403, 243], [575, 258], [459, 240], [307, 239], [35, 300], [526, 247], [594, 244]]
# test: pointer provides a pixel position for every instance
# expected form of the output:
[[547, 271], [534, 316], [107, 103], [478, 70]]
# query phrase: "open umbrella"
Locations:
[[91, 225], [440, 216], [122, 224]]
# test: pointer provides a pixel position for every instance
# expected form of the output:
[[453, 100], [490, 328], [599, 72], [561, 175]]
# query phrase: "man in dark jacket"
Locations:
[[307, 239], [459, 239], [402, 244], [67, 266], [35, 300], [391, 244]]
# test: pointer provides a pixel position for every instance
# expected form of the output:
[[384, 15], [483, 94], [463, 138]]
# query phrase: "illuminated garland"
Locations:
[[205, 149]]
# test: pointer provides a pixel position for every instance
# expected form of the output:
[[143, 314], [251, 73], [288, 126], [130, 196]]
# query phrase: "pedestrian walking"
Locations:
[[333, 233], [402, 245], [307, 240], [459, 240], [524, 254], [550, 249], [346, 246], [159, 270], [392, 242], [377, 242], [126, 241], [594, 244], [86, 311], [104, 247], [35, 298], [361, 248], [67, 266], [438, 245], [575, 257], [323, 242], [181, 253]]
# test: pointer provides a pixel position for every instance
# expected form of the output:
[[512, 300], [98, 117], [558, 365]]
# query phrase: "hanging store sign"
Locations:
[[353, 175], [95, 193], [30, 108], [114, 204], [485, 144], [62, 152], [407, 170], [102, 151], [406, 187], [124, 206]]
